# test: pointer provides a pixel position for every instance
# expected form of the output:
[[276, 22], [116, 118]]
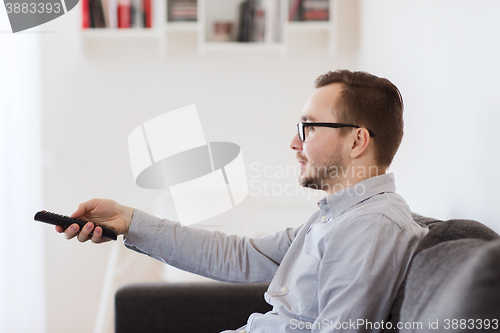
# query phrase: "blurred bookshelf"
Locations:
[[214, 25]]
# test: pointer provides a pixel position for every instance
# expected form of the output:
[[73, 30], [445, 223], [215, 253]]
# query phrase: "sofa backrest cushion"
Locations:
[[468, 297], [431, 272], [443, 231], [440, 232]]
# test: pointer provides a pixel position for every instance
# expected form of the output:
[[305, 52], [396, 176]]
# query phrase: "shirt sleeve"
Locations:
[[212, 254], [360, 273]]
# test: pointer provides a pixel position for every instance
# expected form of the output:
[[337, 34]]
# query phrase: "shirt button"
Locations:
[[323, 218], [284, 289], [242, 331]]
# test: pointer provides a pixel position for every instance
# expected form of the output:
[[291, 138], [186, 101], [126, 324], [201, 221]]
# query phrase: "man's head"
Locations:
[[373, 105]]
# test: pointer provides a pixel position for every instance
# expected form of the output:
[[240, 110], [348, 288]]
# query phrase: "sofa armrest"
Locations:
[[187, 307]]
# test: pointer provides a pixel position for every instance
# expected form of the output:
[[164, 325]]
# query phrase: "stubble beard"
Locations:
[[321, 177]]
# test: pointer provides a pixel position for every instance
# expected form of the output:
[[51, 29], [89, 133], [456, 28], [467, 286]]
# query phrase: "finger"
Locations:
[[97, 236], [84, 207], [71, 231], [84, 234], [59, 229]]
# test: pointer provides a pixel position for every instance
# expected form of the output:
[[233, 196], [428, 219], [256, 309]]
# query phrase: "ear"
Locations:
[[361, 140]]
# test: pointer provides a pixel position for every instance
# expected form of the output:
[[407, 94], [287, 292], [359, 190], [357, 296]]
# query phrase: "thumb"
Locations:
[[83, 208]]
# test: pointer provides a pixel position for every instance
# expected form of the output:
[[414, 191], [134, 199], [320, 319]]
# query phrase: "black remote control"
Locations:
[[66, 221]]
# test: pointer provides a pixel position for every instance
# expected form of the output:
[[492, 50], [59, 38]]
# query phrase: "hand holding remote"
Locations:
[[106, 212]]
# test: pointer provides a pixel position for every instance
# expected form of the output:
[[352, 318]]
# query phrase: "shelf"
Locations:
[[309, 25], [106, 33], [182, 26], [240, 46], [279, 34]]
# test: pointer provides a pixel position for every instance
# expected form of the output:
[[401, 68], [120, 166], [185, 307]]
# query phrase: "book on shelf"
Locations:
[[309, 10], [182, 10], [96, 11], [135, 13], [147, 13], [124, 13], [117, 14], [259, 21], [85, 14]]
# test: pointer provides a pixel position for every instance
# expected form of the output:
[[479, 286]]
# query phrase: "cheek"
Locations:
[[312, 153]]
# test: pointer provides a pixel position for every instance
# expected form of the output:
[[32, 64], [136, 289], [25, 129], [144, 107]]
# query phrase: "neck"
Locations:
[[351, 175]]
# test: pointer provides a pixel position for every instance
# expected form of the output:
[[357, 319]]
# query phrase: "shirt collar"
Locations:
[[340, 201]]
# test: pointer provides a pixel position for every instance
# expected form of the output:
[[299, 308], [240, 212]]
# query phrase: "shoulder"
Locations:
[[386, 211]]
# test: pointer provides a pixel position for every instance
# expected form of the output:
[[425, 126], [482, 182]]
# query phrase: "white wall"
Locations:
[[443, 55], [445, 58], [22, 264]]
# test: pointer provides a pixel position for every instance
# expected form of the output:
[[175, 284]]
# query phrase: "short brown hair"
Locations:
[[372, 102]]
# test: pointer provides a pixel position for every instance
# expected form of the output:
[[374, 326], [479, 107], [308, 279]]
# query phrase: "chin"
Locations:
[[310, 183]]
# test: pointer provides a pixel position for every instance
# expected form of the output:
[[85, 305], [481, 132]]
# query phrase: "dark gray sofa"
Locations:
[[453, 281]]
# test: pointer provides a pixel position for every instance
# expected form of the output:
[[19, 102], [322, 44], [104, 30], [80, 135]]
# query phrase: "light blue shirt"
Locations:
[[338, 272]]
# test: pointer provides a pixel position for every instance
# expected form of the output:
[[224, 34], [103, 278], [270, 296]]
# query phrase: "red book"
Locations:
[[148, 22], [85, 14], [316, 15], [124, 18]]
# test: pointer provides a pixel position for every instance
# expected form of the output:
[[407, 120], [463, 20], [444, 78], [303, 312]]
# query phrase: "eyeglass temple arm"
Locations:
[[339, 125]]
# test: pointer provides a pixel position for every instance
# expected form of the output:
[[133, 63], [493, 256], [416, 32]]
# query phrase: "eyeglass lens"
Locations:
[[300, 130]]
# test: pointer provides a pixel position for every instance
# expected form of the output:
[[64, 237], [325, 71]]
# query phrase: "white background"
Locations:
[[443, 55]]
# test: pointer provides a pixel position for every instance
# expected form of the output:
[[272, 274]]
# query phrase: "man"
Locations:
[[341, 269]]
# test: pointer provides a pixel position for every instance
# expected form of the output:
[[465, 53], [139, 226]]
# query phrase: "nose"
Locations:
[[295, 144]]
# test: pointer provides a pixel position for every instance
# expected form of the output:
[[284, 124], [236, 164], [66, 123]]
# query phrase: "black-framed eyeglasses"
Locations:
[[301, 128]]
